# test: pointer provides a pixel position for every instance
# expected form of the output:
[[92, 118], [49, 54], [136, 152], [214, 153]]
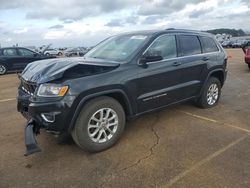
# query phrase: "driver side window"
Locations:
[[164, 46]]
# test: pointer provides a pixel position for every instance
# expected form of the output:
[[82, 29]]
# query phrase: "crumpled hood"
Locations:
[[51, 69]]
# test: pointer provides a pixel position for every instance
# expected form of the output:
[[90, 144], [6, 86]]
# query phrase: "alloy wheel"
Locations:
[[212, 94], [2, 69], [103, 125]]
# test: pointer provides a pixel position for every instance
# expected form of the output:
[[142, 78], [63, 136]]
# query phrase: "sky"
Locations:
[[84, 23]]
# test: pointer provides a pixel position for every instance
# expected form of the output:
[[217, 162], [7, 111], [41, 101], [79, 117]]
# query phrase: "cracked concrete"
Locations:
[[151, 149], [146, 157]]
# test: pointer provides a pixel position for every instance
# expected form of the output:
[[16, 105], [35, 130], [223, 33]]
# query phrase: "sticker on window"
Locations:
[[139, 37]]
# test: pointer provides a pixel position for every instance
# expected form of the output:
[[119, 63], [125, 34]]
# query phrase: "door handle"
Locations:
[[176, 64], [205, 58]]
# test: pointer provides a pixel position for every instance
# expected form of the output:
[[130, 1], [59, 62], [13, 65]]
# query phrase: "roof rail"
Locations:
[[170, 29]]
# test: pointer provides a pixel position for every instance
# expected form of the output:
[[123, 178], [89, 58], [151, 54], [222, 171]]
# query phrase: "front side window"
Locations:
[[25, 53], [118, 48], [9, 52], [189, 45], [164, 46], [208, 45]]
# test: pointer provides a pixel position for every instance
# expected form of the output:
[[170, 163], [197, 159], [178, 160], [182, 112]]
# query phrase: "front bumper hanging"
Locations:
[[30, 140]]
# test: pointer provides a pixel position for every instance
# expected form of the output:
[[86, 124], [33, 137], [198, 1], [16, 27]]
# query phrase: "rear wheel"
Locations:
[[249, 66], [3, 69], [210, 93], [99, 125]]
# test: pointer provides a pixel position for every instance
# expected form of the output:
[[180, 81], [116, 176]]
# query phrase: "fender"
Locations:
[[209, 75], [216, 70], [94, 95]]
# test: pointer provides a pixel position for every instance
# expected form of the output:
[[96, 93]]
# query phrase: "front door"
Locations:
[[157, 83], [26, 56]]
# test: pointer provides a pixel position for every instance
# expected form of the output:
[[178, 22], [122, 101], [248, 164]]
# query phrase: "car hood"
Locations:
[[51, 69]]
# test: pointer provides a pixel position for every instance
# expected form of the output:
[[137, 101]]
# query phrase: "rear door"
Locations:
[[193, 64], [210, 50], [10, 58], [157, 84]]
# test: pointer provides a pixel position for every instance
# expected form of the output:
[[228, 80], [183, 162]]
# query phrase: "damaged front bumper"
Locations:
[[31, 130], [53, 116]]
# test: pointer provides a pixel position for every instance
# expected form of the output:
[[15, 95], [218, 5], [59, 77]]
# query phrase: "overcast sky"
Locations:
[[86, 22]]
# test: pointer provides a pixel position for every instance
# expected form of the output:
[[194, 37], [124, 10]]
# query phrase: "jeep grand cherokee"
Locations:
[[123, 77]]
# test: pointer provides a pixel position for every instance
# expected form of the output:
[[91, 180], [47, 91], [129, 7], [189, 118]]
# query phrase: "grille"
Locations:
[[28, 87]]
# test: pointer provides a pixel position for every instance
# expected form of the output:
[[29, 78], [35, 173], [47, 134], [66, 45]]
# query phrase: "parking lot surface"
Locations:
[[181, 146]]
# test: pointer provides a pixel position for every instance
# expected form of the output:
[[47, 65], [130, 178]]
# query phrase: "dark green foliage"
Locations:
[[233, 32]]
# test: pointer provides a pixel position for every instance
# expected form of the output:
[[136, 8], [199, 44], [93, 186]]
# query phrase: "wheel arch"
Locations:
[[218, 73], [117, 94]]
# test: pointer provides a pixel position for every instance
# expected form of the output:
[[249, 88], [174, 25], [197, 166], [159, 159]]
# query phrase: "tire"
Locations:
[[47, 54], [3, 69], [210, 93], [87, 137], [249, 66], [59, 54]]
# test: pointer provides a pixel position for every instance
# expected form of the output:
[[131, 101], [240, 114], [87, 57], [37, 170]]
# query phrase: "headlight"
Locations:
[[52, 90]]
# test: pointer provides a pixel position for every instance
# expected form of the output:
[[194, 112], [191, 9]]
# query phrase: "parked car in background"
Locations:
[[237, 44], [247, 57], [246, 50], [121, 78], [75, 52], [52, 52], [16, 58], [227, 44]]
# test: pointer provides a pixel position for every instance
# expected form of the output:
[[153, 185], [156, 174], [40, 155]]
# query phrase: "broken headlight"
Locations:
[[52, 90]]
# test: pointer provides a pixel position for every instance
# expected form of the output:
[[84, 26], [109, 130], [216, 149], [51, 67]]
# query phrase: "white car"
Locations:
[[52, 52]]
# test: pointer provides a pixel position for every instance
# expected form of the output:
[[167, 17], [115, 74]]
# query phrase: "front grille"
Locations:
[[28, 87]]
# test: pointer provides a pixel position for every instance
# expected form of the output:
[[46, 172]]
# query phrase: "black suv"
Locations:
[[123, 77]]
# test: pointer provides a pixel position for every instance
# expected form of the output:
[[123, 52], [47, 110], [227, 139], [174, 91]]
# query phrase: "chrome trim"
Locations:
[[26, 91], [46, 119]]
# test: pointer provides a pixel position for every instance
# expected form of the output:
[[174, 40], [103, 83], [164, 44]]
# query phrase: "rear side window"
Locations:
[[208, 45], [189, 45], [9, 52]]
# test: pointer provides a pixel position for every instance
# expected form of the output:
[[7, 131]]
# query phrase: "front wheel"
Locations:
[[99, 125], [210, 94], [3, 69]]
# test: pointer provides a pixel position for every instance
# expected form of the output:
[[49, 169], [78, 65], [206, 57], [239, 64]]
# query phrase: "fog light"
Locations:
[[50, 118]]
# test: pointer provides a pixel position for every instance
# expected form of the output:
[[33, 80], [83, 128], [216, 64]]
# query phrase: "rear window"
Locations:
[[208, 45], [189, 45]]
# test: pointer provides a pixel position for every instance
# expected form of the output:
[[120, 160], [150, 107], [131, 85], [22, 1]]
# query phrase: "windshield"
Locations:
[[118, 48]]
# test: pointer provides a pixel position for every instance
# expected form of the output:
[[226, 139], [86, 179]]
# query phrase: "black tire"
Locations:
[[80, 132], [47, 54], [59, 54], [249, 66], [203, 101], [3, 69]]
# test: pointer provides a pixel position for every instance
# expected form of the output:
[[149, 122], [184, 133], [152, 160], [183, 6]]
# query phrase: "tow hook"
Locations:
[[30, 140]]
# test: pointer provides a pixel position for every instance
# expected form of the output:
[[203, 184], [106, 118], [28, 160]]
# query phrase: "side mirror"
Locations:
[[150, 56]]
